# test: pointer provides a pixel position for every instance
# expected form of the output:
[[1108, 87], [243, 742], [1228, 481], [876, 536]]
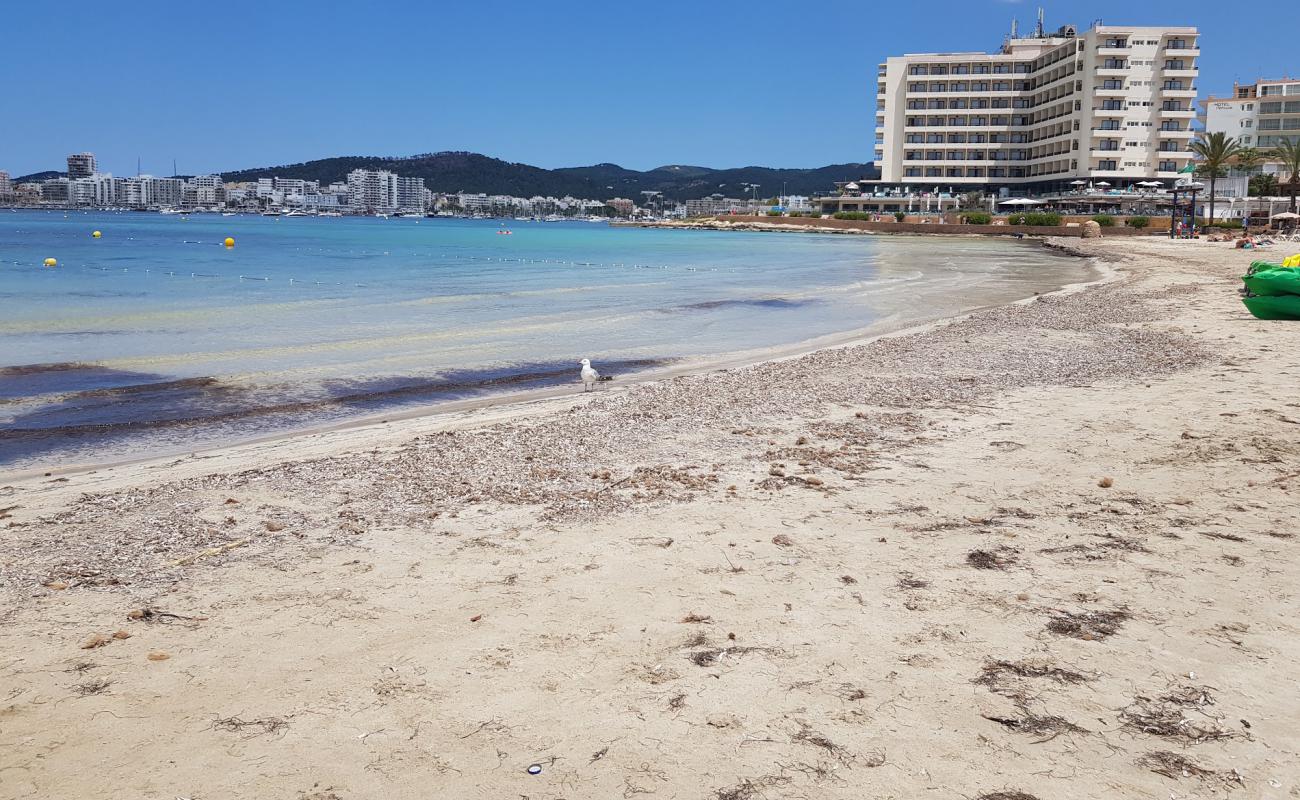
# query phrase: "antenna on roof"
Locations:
[[1038, 31], [1015, 27]]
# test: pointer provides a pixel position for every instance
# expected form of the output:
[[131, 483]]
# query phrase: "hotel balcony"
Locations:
[[1187, 52], [1177, 113], [1186, 133], [1112, 72], [1180, 73], [1121, 92], [1188, 92], [1114, 51], [1097, 152]]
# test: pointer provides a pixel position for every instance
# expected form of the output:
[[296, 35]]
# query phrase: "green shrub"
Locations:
[[1138, 222], [1232, 224], [1035, 218], [851, 215], [1104, 220], [899, 216], [773, 213], [978, 217]]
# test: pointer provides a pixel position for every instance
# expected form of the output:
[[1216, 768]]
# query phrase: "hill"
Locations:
[[472, 172]]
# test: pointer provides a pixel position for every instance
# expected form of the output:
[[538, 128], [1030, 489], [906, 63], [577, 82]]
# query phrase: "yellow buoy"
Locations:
[[230, 241], [96, 234], [51, 262]]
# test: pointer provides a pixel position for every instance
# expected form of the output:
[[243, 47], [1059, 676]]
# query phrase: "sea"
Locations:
[[155, 338]]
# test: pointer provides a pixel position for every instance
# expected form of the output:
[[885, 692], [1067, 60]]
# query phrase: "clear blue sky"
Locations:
[[221, 86]]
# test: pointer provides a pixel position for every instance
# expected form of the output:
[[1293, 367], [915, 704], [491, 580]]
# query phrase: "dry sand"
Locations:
[[1045, 551]]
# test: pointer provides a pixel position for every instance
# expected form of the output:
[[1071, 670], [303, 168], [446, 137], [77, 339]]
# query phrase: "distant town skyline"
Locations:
[[719, 85]]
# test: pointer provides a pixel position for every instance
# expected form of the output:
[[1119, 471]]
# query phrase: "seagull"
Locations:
[[589, 375]]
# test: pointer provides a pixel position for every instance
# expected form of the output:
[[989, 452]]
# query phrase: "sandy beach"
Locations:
[[1045, 550]]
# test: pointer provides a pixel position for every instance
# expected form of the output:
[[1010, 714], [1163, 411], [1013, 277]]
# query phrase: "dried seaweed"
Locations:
[[1088, 624]]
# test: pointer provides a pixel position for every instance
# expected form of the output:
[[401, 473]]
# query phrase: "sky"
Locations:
[[236, 84]]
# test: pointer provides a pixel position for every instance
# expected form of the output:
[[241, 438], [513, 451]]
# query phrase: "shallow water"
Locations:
[[157, 338]]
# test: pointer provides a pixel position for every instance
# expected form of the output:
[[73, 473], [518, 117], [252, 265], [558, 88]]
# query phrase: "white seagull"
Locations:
[[589, 375]]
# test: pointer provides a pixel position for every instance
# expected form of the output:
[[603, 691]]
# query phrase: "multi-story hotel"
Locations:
[[1260, 115], [1113, 104]]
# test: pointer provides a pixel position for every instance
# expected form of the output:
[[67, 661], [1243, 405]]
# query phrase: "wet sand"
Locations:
[[1045, 548]]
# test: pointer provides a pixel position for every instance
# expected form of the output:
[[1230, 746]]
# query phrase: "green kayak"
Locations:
[[1286, 306], [1272, 281]]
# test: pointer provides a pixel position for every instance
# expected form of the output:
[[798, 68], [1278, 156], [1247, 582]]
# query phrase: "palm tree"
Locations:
[[1248, 160], [1288, 152], [1213, 152]]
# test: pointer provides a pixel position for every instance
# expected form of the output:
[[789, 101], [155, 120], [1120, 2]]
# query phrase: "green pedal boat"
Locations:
[[1272, 291]]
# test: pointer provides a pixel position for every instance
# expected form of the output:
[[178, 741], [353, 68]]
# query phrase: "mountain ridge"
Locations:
[[461, 171]]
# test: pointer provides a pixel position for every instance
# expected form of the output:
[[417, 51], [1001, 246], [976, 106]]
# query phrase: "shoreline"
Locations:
[[1042, 548], [563, 393]]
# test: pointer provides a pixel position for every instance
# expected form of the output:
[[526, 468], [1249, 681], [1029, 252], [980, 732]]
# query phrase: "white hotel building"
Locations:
[[1112, 104], [1260, 115]]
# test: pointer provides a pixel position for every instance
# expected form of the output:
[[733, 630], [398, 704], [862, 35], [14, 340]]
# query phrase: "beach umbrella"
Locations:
[[1078, 183], [1285, 215], [1020, 201], [1102, 183], [1150, 183]]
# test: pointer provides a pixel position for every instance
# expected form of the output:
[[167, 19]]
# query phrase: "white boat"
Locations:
[[297, 213], [329, 214], [381, 216], [271, 213], [171, 211], [228, 214]]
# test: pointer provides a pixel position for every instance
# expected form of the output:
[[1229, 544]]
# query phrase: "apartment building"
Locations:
[[1262, 115], [81, 165], [410, 194], [372, 190], [1112, 104], [6, 186]]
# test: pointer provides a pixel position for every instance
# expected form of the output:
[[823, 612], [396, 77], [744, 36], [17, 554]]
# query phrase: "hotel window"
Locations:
[[1270, 108], [960, 86], [1270, 124], [1001, 69], [1291, 124], [1168, 166], [934, 172], [1112, 105], [1245, 140], [1114, 63], [1112, 84], [981, 69], [936, 87], [916, 87], [1248, 123], [1292, 107], [1107, 166], [1270, 90], [1001, 86], [1177, 44], [912, 172], [1175, 63], [1172, 105], [919, 69]]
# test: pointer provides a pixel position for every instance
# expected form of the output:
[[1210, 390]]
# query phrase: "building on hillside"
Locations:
[[81, 165], [1261, 115], [372, 191], [1110, 105]]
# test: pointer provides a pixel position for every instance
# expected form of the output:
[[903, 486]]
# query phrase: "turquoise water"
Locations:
[[156, 336]]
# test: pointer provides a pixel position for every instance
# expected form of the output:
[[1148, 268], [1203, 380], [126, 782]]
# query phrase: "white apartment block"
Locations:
[[1113, 104], [372, 190], [410, 194], [6, 186], [1260, 115]]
